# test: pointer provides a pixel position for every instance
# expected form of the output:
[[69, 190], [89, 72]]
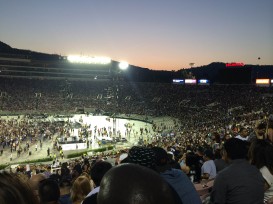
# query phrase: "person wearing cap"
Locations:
[[142, 156], [208, 169], [146, 157]]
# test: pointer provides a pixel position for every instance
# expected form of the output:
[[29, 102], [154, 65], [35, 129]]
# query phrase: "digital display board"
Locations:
[[262, 81], [178, 81], [203, 82], [190, 81]]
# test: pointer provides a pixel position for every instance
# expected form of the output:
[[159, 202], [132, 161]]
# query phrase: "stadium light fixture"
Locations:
[[88, 60], [123, 65]]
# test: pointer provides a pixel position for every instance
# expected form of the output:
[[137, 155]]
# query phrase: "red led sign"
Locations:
[[235, 64]]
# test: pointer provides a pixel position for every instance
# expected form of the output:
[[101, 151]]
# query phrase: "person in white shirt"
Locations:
[[243, 134], [208, 169]]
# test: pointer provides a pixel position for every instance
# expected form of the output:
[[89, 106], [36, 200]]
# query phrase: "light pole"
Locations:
[[116, 89]]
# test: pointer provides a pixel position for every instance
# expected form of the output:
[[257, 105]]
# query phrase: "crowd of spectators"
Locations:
[[220, 133]]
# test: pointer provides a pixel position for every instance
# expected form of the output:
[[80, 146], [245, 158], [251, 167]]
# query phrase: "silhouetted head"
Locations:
[[13, 190], [131, 183], [236, 149], [49, 191], [98, 171]]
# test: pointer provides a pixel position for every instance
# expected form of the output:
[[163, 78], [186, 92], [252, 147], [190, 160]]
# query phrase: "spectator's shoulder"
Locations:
[[90, 199]]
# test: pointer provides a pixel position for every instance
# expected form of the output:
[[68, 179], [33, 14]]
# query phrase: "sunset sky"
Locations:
[[156, 34]]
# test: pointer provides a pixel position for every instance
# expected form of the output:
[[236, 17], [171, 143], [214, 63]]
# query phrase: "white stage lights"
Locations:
[[88, 60]]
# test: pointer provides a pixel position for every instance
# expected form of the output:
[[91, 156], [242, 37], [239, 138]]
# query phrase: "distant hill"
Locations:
[[6, 50], [4, 47]]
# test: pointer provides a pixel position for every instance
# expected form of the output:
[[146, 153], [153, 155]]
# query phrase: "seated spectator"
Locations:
[[261, 155], [97, 172], [65, 188], [243, 134], [176, 178], [219, 161], [194, 168], [259, 132], [65, 172], [49, 192], [131, 183], [77, 171], [269, 131], [195, 161], [13, 190], [240, 182], [80, 188], [183, 165], [174, 164], [208, 169]]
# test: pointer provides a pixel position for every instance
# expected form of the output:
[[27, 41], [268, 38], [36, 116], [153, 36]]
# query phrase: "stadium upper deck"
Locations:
[[57, 69]]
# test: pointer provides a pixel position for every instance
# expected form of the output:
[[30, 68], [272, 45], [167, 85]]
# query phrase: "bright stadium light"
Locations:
[[123, 65], [88, 60]]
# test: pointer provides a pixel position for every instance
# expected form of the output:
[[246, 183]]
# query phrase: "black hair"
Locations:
[[49, 191], [208, 153], [98, 171], [217, 154], [161, 156], [236, 148], [261, 154]]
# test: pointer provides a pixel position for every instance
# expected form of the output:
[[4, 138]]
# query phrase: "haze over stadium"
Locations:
[[157, 34]]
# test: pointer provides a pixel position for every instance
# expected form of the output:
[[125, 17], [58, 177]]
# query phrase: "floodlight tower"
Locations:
[[191, 64], [116, 87]]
